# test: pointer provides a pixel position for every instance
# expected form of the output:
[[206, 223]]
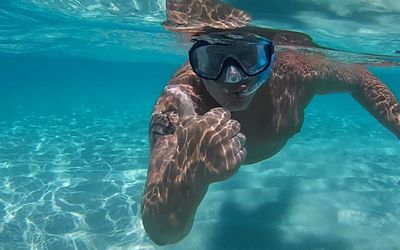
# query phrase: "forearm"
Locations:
[[377, 98], [170, 199], [189, 151]]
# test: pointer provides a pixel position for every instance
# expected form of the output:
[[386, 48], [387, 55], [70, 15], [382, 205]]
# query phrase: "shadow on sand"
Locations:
[[240, 229]]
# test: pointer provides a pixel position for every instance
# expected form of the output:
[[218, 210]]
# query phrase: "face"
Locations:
[[234, 90]]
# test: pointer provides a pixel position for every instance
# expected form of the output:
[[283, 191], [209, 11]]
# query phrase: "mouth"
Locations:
[[241, 91], [241, 94]]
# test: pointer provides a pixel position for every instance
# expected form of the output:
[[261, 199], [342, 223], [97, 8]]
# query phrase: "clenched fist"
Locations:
[[210, 147]]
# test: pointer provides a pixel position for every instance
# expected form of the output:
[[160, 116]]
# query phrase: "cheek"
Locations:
[[216, 91]]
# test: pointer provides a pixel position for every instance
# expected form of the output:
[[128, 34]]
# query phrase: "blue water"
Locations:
[[77, 87]]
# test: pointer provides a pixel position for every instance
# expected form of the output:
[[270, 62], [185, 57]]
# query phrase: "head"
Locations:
[[232, 66]]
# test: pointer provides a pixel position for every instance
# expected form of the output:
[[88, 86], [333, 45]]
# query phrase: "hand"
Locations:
[[210, 147]]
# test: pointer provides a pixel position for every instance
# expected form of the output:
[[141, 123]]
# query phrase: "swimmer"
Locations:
[[237, 101]]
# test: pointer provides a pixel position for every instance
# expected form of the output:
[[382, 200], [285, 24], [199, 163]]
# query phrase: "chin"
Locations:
[[234, 109], [236, 105]]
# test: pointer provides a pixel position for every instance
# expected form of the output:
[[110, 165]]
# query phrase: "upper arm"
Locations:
[[321, 76]]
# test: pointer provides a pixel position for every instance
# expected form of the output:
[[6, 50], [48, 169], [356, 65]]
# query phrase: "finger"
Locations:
[[234, 144], [215, 135], [224, 161], [233, 128], [218, 115], [230, 149], [226, 131], [241, 155], [242, 139]]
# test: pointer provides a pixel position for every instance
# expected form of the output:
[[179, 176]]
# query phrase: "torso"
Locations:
[[274, 116]]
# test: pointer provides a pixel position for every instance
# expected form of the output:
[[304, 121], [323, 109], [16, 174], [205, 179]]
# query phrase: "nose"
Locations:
[[233, 74]]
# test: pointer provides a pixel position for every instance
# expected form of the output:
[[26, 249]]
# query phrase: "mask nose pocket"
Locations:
[[233, 74]]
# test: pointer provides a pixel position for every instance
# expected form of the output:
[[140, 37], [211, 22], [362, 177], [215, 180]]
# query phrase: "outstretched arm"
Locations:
[[322, 76]]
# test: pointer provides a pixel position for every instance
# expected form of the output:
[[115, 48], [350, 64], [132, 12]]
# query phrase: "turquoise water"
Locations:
[[78, 80]]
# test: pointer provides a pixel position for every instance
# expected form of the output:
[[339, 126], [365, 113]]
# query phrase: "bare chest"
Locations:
[[269, 122]]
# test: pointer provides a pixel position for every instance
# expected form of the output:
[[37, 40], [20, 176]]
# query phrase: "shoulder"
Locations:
[[302, 67], [291, 65]]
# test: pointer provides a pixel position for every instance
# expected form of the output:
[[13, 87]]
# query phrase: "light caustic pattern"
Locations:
[[334, 186], [73, 181], [122, 30], [102, 8], [112, 30]]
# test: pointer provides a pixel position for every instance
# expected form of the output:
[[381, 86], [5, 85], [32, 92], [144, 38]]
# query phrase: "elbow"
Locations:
[[161, 230]]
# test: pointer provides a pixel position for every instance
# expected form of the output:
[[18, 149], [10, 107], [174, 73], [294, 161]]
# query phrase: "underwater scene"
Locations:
[[78, 83]]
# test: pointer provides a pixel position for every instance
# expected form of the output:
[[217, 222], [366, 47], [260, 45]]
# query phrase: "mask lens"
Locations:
[[252, 57], [207, 60]]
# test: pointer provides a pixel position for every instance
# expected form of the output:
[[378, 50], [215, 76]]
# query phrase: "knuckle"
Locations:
[[219, 113], [244, 153], [235, 143], [235, 125], [241, 138], [215, 138], [223, 133], [218, 110]]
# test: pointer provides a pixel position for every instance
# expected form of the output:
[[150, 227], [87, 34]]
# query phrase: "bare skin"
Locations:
[[196, 142]]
